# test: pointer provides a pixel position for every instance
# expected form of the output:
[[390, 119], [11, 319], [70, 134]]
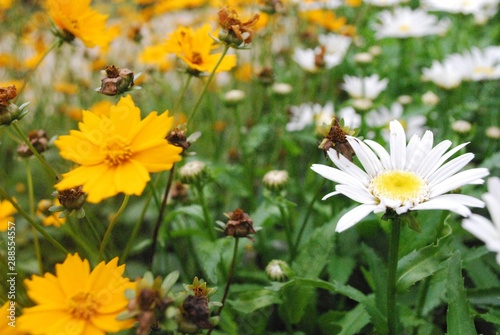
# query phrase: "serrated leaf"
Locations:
[[458, 318], [422, 263], [353, 321]]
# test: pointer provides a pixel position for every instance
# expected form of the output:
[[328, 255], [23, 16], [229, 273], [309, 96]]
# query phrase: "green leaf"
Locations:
[[368, 302], [422, 263], [354, 321], [296, 298], [250, 301], [378, 274], [256, 136], [315, 254], [458, 318]]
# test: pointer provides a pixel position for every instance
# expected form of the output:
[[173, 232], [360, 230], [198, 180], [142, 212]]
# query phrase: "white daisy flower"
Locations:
[[447, 75], [409, 177], [306, 5], [484, 229], [404, 22], [384, 3], [364, 87], [478, 64], [458, 6]]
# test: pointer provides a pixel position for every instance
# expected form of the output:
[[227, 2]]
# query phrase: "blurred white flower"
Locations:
[[447, 75], [384, 3], [409, 177], [461, 126], [478, 64], [493, 132], [308, 113], [364, 87], [404, 22], [381, 118], [476, 7], [305, 5], [475, 65], [484, 229], [330, 52]]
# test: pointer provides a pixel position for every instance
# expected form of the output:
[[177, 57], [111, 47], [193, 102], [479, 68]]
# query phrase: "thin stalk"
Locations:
[[163, 205], [135, 231], [76, 236], [306, 218], [288, 228], [422, 295], [229, 278], [32, 222], [206, 213], [91, 225], [200, 98], [183, 92], [58, 42], [42, 160], [31, 196], [107, 235], [392, 315]]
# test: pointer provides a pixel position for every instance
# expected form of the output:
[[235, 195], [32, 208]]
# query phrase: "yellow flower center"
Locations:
[[404, 186], [487, 70], [404, 28], [83, 306], [117, 150]]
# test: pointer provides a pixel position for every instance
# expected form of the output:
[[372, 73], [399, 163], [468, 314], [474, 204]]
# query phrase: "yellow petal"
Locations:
[[131, 177], [73, 275], [46, 289], [159, 158], [125, 116]]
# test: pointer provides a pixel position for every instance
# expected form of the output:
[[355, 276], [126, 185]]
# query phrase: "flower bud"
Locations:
[[461, 126], [275, 180], [429, 98], [278, 270], [239, 224], [234, 97], [193, 172], [282, 89], [9, 111], [234, 32], [117, 81], [493, 132]]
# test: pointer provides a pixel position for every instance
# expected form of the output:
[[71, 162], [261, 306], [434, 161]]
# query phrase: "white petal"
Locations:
[[493, 205], [445, 157], [331, 194], [415, 157], [494, 188], [352, 217], [384, 156], [346, 165], [367, 158], [356, 194], [398, 145], [446, 204], [484, 230], [458, 180], [449, 169], [336, 175], [430, 161]]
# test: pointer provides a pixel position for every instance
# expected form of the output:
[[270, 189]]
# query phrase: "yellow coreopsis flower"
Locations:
[[116, 153], [78, 19], [6, 212], [8, 319], [77, 300], [325, 19], [194, 47]]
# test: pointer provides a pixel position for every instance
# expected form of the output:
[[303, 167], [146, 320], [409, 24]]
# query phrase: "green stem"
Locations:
[[42, 160], [230, 276], [91, 225], [163, 205], [200, 98], [288, 228], [135, 231], [422, 295], [107, 235], [58, 42], [306, 218], [77, 237], [183, 92], [206, 213], [392, 315], [31, 196], [32, 222]]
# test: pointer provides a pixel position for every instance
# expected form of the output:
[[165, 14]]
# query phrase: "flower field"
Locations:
[[249, 167]]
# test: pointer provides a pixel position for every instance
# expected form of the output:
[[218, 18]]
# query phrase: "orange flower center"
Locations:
[[117, 150], [83, 306], [197, 59]]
